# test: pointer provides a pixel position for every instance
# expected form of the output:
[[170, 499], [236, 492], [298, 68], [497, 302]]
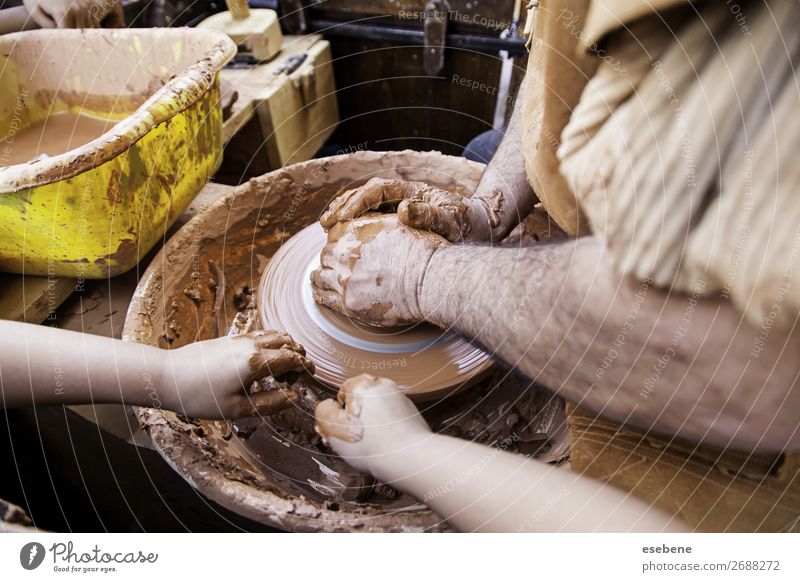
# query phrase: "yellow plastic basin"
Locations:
[[93, 211]]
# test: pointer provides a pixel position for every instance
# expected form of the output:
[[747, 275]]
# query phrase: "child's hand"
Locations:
[[209, 379], [377, 419]]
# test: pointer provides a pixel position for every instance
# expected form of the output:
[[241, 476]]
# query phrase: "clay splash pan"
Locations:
[[274, 470], [93, 210]]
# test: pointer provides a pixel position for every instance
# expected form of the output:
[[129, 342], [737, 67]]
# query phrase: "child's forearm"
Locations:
[[208, 379], [43, 366], [477, 488]]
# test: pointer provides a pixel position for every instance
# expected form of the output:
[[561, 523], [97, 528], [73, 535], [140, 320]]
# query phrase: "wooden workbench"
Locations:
[[292, 97]]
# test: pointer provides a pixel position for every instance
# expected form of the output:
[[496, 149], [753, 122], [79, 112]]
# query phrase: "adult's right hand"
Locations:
[[372, 270], [76, 13], [456, 218]]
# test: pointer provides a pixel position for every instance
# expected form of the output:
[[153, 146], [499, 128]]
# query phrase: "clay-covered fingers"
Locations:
[[329, 299], [338, 251], [370, 418], [439, 211], [331, 216], [341, 418], [326, 287], [280, 362], [335, 421], [371, 196], [276, 354], [263, 403], [273, 340], [325, 278], [351, 393]]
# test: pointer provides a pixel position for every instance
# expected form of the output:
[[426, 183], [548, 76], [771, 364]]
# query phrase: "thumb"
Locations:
[[426, 216], [333, 421]]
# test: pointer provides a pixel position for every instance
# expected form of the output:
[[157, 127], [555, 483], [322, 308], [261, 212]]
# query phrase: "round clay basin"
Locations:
[[174, 305]]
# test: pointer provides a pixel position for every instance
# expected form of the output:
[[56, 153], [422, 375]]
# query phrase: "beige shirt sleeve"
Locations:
[[606, 16], [685, 166], [565, 50]]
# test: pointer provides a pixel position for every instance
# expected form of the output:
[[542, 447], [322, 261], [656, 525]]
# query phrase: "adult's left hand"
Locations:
[[372, 270], [457, 218]]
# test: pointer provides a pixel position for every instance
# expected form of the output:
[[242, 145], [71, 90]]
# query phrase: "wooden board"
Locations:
[[711, 489], [296, 109], [32, 299]]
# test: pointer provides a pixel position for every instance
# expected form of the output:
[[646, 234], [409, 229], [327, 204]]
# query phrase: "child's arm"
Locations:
[[43, 366], [474, 487]]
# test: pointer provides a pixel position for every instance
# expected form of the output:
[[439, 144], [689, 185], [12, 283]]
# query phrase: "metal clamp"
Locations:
[[435, 27]]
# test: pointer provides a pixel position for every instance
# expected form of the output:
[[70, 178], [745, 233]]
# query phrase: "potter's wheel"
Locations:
[[425, 360]]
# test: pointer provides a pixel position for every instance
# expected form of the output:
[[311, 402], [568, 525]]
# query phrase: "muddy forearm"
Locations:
[[44, 366], [477, 488], [504, 184], [674, 363]]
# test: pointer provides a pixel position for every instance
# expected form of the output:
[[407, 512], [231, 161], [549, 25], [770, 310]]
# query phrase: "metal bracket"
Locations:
[[435, 27]]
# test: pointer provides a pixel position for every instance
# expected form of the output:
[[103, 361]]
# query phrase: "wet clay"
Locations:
[[52, 136], [424, 360]]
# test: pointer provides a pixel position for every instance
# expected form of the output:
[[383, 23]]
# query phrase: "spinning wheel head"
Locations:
[[426, 361]]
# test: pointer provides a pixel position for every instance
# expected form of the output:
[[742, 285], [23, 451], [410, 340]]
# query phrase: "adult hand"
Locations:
[[372, 270], [76, 13], [370, 419], [456, 218], [210, 379]]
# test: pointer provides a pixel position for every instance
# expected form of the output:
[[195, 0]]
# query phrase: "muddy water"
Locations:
[[54, 135], [505, 410]]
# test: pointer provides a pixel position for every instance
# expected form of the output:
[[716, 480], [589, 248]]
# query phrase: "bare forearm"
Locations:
[[677, 364], [41, 365], [477, 488], [504, 184]]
